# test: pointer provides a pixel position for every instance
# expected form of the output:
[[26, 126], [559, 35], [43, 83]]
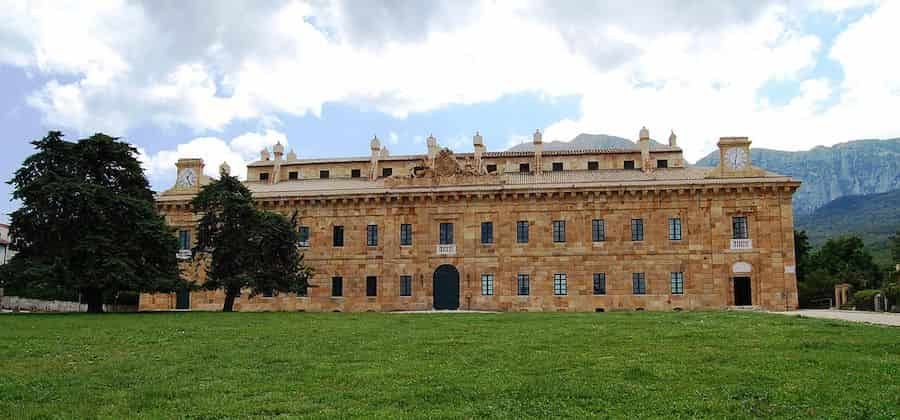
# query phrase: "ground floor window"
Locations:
[[487, 284], [677, 280], [639, 283], [560, 288], [524, 285], [337, 286], [371, 286], [405, 285], [599, 283]]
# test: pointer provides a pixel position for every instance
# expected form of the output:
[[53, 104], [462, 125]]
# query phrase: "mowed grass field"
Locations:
[[337, 365]]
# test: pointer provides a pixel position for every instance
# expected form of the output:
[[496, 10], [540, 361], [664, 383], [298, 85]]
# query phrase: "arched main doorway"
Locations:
[[446, 287]]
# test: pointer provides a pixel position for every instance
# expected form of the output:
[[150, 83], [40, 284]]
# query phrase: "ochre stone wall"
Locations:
[[703, 255]]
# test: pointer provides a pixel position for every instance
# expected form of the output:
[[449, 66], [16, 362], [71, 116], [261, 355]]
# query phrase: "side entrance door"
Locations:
[[183, 299], [742, 295], [446, 287]]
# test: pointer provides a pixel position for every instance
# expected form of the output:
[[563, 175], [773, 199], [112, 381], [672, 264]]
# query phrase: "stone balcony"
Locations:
[[741, 244], [446, 249]]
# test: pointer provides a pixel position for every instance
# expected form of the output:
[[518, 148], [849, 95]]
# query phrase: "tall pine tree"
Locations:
[[88, 222]]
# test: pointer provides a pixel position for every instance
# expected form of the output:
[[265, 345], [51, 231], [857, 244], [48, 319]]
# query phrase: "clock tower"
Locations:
[[734, 159], [190, 173]]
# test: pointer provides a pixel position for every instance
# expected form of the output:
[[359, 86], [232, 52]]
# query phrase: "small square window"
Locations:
[[524, 168], [263, 176], [560, 288], [524, 285], [292, 175], [324, 174], [487, 284], [487, 232], [405, 285], [371, 286], [662, 163], [386, 172], [599, 283], [492, 168], [337, 286], [629, 164], [557, 166], [355, 173], [593, 165]]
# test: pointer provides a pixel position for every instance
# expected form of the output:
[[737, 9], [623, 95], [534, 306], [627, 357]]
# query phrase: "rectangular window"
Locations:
[[337, 286], [593, 165], [599, 283], [263, 176], [268, 293], [303, 236], [386, 172], [598, 230], [355, 173], [638, 283], [560, 288], [324, 174], [524, 168], [739, 228], [675, 229], [405, 234], [184, 239], [487, 284], [487, 232], [405, 285], [446, 237], [637, 229], [371, 235], [559, 231], [557, 166], [677, 281], [662, 163], [522, 231], [292, 175], [629, 164], [338, 236], [371, 286], [492, 168], [524, 285]]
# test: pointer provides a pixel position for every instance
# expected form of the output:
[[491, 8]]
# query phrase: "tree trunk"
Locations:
[[94, 299], [229, 301]]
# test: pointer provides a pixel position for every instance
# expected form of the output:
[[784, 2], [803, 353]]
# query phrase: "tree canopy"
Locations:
[[88, 222], [246, 247]]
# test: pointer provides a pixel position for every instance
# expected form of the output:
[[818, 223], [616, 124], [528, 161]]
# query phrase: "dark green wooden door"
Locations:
[[446, 287]]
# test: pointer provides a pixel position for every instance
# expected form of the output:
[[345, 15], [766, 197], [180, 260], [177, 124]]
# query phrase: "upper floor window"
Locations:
[[677, 281], [338, 236], [292, 175], [559, 231], [637, 229], [324, 174], [598, 230], [487, 232], [662, 163], [560, 287], [629, 164], [405, 234], [593, 165], [184, 239], [263, 176], [371, 235], [337, 286], [491, 168], [386, 172], [524, 284], [303, 236], [522, 231], [487, 284], [405, 285], [675, 229], [739, 229], [524, 167], [446, 234], [599, 283], [371, 286], [557, 166], [638, 283], [355, 173]]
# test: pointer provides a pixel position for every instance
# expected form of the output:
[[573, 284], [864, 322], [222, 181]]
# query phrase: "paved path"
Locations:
[[882, 318]]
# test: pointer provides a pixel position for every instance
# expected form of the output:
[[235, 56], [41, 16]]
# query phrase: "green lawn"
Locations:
[[640, 364]]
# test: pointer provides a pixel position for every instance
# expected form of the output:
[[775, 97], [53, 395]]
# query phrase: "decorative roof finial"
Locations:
[[224, 169], [645, 133], [673, 140]]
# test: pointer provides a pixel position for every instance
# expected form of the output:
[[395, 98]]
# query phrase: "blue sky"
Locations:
[[221, 80]]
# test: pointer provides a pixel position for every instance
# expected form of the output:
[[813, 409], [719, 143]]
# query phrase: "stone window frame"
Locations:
[[293, 175], [556, 167], [676, 282], [593, 165], [263, 176], [662, 163], [639, 283], [324, 174], [487, 284], [628, 164], [405, 285], [524, 168], [406, 234], [522, 227], [560, 284], [599, 288], [371, 235], [676, 233], [740, 227], [598, 230], [355, 173], [559, 231], [386, 172], [491, 168], [445, 233], [523, 284], [487, 233], [637, 229]]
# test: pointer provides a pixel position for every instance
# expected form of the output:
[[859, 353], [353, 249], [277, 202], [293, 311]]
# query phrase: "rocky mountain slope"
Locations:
[[585, 141]]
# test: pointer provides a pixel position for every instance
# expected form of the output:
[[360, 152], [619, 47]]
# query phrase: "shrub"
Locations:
[[865, 299]]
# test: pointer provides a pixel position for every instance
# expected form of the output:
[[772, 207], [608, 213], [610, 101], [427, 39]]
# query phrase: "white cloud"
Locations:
[[393, 138]]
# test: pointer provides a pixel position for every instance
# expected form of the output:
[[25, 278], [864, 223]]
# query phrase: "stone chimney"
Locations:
[[478, 145], [673, 140], [375, 147], [644, 143], [538, 140]]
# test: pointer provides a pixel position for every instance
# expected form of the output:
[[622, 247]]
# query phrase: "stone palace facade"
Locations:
[[577, 230]]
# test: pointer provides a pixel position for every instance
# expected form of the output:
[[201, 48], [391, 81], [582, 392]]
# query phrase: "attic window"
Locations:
[[263, 176], [355, 173], [492, 168], [629, 164], [557, 166], [292, 175], [662, 163], [324, 174], [593, 165], [524, 168], [386, 172]]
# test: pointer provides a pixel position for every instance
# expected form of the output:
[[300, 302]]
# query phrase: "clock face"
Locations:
[[736, 158], [187, 178]]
